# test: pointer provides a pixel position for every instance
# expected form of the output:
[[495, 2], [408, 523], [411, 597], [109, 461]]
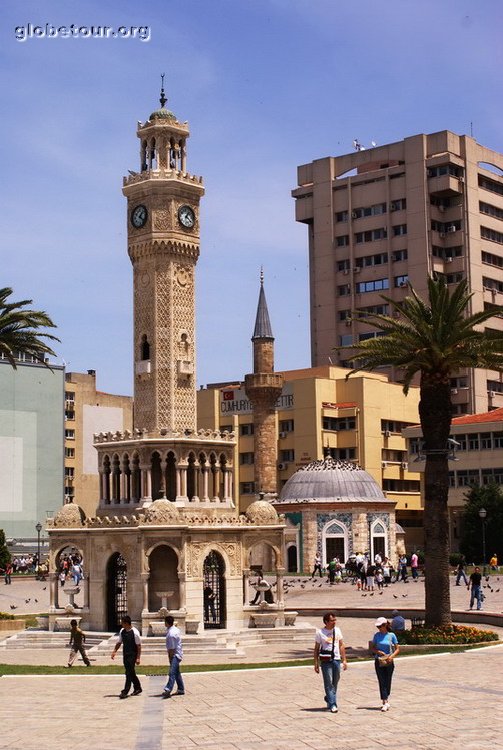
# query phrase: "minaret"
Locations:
[[163, 244], [263, 388]]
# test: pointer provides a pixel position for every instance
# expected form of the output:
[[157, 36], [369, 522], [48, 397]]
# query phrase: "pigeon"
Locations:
[[27, 601], [404, 596], [372, 594], [13, 606], [36, 600], [497, 591], [44, 588], [320, 585], [395, 596], [364, 594], [381, 593], [302, 586]]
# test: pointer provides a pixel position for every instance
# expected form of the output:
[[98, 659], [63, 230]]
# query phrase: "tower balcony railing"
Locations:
[[161, 174]]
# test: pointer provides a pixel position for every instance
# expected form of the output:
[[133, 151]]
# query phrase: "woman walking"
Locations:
[[329, 651], [384, 648]]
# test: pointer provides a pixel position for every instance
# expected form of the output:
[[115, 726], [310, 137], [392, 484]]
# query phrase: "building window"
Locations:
[[392, 425], [399, 230], [485, 441], [371, 335], [376, 210], [491, 234], [246, 429], [69, 396], [225, 428], [442, 169], [372, 235], [498, 439], [491, 185], [396, 457], [69, 472], [400, 485], [69, 452], [247, 458], [69, 414], [398, 205], [339, 423], [492, 260], [286, 425], [343, 265], [344, 314], [341, 216], [70, 434], [487, 208], [473, 442], [287, 455], [342, 454], [346, 340], [402, 280], [372, 286], [494, 385], [398, 255], [247, 488], [344, 290], [488, 283], [342, 241], [372, 310], [371, 260]]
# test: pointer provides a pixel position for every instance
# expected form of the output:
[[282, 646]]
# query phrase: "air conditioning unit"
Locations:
[[348, 321], [396, 314], [451, 228], [282, 435], [387, 433], [461, 178], [441, 208], [354, 215], [404, 465], [356, 269], [454, 391], [384, 464], [491, 394], [282, 466], [442, 235], [449, 259], [345, 271], [394, 206]]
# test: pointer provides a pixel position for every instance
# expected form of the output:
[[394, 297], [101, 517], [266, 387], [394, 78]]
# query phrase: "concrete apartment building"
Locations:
[[89, 411], [320, 413], [478, 460], [31, 445], [383, 218]]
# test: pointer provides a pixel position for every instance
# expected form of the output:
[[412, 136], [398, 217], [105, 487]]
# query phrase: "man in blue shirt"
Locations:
[[175, 655]]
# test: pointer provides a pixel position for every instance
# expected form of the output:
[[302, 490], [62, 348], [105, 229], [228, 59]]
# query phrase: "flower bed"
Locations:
[[452, 634]]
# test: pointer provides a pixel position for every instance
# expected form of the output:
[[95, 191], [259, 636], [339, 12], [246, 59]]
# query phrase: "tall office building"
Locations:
[[383, 218]]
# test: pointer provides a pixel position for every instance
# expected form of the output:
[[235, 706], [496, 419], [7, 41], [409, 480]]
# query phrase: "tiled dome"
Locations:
[[330, 480]]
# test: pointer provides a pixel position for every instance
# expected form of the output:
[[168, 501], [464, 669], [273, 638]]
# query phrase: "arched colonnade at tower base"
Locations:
[[145, 569]]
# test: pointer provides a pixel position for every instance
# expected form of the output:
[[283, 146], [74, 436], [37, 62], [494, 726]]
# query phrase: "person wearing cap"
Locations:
[[330, 652], [397, 623], [384, 648]]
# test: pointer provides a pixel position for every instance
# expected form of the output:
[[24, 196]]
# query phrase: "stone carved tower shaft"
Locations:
[[263, 388], [163, 244]]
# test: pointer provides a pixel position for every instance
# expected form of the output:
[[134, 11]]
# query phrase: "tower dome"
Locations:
[[161, 512], [261, 512], [331, 481], [69, 516]]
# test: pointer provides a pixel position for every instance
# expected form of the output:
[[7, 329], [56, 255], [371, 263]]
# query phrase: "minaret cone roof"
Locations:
[[263, 328]]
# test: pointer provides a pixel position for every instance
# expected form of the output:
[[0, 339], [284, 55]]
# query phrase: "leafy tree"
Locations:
[[20, 330], [435, 339], [4, 552], [489, 497]]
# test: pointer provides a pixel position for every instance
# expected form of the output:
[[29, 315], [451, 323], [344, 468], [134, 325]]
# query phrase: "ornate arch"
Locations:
[[198, 551]]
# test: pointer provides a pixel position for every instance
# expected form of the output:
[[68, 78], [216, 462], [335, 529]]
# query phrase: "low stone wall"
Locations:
[[12, 625]]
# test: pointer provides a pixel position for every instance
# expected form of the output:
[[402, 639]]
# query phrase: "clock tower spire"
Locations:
[[163, 245]]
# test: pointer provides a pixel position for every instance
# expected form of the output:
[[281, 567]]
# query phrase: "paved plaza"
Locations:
[[440, 702]]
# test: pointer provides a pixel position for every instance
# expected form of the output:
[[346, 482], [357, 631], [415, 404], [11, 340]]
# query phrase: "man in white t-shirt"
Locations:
[[329, 652], [175, 655]]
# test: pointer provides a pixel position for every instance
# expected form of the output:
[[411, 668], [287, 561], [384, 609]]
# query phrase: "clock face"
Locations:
[[186, 217], [139, 216]]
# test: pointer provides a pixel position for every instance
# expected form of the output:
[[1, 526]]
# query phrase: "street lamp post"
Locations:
[[39, 529], [483, 516]]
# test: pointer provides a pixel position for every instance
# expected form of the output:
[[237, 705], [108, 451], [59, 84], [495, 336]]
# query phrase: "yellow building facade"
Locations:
[[318, 414]]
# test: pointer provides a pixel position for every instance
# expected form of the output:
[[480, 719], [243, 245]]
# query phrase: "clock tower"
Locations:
[[163, 245]]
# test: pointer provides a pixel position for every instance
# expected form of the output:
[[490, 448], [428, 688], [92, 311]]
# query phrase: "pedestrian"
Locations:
[[62, 577], [317, 566], [261, 586], [209, 603], [402, 568], [379, 579], [460, 572], [397, 623], [493, 562], [371, 571], [384, 648], [77, 640], [414, 566], [386, 571], [332, 567], [329, 653], [175, 656], [476, 585], [130, 640], [8, 574]]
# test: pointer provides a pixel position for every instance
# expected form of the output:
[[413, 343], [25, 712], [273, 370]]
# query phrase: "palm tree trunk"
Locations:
[[436, 415]]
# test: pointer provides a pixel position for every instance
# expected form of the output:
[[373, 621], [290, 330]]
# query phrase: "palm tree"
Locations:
[[435, 339], [19, 330]]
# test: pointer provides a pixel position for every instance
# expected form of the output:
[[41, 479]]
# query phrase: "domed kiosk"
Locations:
[[334, 509]]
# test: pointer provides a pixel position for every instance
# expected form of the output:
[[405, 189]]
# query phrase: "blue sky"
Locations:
[[266, 85]]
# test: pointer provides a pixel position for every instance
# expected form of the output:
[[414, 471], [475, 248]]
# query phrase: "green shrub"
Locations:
[[5, 616], [445, 634]]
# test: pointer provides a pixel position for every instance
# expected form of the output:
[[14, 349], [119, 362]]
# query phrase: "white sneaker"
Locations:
[[385, 707], [334, 709]]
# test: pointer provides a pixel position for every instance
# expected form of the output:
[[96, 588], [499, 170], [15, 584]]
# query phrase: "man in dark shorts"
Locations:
[[476, 584], [130, 640]]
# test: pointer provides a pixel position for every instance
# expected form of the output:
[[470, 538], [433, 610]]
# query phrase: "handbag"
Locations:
[[384, 661], [326, 656]]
